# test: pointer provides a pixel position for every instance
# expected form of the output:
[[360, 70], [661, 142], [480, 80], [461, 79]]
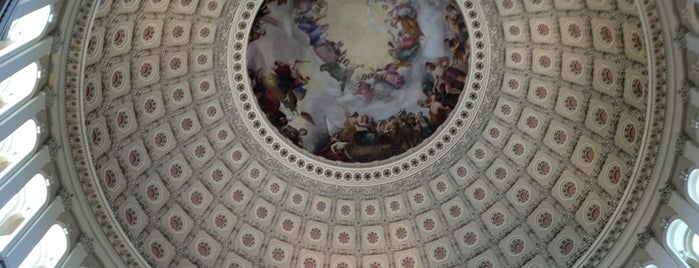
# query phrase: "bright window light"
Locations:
[[26, 28], [693, 186], [17, 146], [682, 241], [18, 87], [695, 245], [49, 250], [21, 208]]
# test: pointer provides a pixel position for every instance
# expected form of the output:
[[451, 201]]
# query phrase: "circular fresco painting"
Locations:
[[358, 81]]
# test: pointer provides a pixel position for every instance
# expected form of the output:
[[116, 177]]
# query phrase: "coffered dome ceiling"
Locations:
[[553, 109]]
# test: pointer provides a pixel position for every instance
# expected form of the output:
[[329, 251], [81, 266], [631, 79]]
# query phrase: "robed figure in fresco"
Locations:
[[381, 90]]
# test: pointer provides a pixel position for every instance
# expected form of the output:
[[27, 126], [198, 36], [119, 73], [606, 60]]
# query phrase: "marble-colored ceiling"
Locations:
[[531, 169]]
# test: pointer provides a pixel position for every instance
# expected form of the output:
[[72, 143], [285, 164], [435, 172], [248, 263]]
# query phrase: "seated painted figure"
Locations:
[[364, 134], [403, 83]]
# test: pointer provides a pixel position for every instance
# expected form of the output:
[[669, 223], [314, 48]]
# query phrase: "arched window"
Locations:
[[21, 208], [50, 249], [26, 28], [17, 146], [693, 186], [683, 243], [18, 87]]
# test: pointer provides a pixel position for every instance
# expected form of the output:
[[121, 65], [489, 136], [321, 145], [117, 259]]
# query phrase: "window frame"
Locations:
[[26, 197], [678, 239], [46, 246]]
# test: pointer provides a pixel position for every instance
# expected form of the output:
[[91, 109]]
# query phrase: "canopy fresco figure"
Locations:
[[398, 94]]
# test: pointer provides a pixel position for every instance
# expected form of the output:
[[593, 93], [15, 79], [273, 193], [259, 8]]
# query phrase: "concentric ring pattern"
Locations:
[[376, 172], [529, 171]]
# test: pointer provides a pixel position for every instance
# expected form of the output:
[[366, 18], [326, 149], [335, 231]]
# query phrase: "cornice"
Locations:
[[657, 155], [110, 242]]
